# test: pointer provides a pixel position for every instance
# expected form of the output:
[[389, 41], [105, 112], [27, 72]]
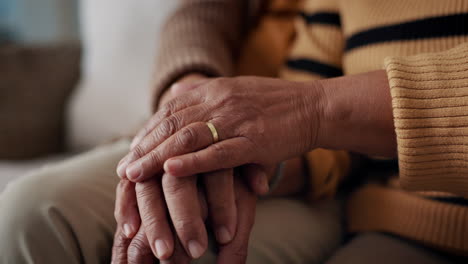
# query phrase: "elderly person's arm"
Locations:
[[422, 98]]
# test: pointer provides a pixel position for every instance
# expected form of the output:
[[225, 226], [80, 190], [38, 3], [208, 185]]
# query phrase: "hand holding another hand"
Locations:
[[180, 195], [260, 121]]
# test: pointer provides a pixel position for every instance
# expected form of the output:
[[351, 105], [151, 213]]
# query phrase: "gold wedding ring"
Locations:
[[214, 132]]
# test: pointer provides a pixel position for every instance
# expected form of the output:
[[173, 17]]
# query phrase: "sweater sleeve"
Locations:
[[430, 107], [201, 36]]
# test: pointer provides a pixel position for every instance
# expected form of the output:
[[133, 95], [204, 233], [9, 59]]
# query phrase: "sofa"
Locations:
[[35, 84]]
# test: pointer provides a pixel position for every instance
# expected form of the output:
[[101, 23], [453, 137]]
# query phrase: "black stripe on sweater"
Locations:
[[313, 66], [433, 27], [326, 18]]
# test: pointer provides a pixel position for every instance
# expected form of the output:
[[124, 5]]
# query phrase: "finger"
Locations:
[[219, 188], [257, 178], [191, 138], [126, 209], [154, 217], [179, 256], [236, 251], [184, 207], [166, 111], [226, 154], [139, 250], [120, 247], [166, 128], [169, 108]]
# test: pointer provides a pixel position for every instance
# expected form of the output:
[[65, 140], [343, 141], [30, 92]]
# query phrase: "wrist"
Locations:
[[356, 114], [315, 105]]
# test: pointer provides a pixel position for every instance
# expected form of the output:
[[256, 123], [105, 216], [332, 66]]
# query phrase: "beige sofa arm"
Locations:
[[35, 83]]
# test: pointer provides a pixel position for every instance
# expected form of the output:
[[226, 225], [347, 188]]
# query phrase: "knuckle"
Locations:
[[120, 241], [154, 137], [154, 158], [166, 109], [196, 161], [138, 151], [144, 191], [184, 225], [153, 222], [169, 125], [221, 152], [136, 250], [187, 137], [173, 186]]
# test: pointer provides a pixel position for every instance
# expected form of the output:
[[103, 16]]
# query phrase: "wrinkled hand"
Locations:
[[138, 249], [260, 121], [182, 204]]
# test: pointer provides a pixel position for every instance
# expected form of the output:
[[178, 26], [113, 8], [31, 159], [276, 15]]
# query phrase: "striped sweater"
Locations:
[[422, 44]]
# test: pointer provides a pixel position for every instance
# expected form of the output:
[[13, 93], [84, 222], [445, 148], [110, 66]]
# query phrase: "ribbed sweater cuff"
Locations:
[[430, 107]]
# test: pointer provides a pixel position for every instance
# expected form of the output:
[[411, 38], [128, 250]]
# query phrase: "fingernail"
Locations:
[[195, 249], [174, 164], [127, 230], [263, 184], [134, 171], [223, 236], [161, 249]]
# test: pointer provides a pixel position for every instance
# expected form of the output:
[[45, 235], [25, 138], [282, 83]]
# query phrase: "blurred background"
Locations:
[[39, 21], [74, 74]]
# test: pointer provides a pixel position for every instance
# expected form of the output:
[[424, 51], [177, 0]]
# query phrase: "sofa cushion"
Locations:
[[34, 86]]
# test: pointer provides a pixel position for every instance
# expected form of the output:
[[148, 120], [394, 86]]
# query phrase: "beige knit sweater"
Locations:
[[423, 46]]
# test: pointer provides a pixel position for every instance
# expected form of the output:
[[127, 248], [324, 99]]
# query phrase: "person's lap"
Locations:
[[64, 212]]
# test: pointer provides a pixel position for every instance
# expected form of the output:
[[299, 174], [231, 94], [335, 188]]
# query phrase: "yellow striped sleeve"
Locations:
[[430, 106]]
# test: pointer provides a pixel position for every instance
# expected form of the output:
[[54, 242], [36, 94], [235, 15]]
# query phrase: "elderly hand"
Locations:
[[182, 206], [137, 249], [259, 121]]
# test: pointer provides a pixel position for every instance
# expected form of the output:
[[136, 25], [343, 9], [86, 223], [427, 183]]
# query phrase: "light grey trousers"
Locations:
[[63, 213]]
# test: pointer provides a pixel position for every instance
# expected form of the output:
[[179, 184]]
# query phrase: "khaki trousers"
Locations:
[[63, 213]]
